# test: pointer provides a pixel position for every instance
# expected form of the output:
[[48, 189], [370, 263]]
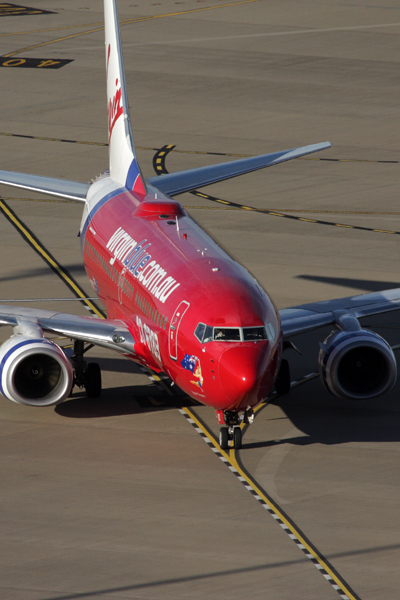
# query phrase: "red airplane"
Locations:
[[176, 302]]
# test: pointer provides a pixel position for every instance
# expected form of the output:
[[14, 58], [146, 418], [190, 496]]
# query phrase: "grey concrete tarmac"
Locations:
[[121, 498]]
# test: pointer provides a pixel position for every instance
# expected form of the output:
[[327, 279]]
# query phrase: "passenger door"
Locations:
[[174, 327]]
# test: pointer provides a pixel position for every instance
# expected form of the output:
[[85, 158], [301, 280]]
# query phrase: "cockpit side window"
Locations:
[[208, 334], [204, 333], [199, 331], [270, 332]]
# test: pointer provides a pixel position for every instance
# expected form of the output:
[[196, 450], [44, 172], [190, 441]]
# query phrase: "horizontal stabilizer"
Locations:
[[185, 181], [71, 190]]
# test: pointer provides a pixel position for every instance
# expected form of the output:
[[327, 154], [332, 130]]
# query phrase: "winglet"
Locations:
[[124, 168]]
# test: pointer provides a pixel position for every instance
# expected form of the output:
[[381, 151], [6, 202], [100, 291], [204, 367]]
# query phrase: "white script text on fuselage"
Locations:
[[137, 260]]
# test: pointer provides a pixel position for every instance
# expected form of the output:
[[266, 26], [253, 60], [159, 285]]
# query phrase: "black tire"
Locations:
[[282, 382], [224, 438], [93, 380], [237, 438]]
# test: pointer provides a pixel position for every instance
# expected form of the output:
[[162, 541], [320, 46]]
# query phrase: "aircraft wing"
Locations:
[[102, 332], [185, 181], [71, 190], [171, 184], [300, 319]]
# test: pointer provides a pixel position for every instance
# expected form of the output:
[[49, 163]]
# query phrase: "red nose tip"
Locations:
[[242, 371]]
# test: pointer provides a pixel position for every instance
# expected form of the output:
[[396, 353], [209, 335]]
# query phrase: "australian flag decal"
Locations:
[[192, 364], [189, 362]]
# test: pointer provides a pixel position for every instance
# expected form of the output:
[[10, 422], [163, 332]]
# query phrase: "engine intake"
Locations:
[[357, 364], [34, 372]]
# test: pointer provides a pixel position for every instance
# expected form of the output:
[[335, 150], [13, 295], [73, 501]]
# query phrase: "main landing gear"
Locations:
[[282, 381], [232, 432], [86, 375]]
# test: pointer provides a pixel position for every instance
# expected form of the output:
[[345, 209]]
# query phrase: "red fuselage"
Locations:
[[194, 312]]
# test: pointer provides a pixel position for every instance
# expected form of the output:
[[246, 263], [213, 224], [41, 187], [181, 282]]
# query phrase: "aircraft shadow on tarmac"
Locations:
[[122, 400], [75, 269], [114, 365], [265, 567], [128, 400], [330, 425], [358, 284]]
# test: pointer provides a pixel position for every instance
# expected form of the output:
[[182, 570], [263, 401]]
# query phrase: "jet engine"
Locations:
[[357, 364], [34, 372]]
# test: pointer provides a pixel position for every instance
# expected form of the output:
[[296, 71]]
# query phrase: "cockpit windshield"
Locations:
[[205, 333], [226, 334], [251, 334]]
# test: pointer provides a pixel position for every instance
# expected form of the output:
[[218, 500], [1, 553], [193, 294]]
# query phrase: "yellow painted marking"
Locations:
[[248, 208], [49, 260], [231, 458], [349, 160], [48, 139], [337, 212], [68, 37], [340, 225], [292, 210], [47, 63], [223, 201], [202, 195], [276, 214], [383, 231], [128, 22], [159, 160], [309, 220], [14, 62], [212, 207], [38, 199], [50, 29]]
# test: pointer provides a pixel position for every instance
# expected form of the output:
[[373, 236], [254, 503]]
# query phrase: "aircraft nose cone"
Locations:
[[242, 371]]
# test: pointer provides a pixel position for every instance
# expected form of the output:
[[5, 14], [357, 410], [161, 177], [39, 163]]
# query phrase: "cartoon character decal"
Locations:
[[192, 364]]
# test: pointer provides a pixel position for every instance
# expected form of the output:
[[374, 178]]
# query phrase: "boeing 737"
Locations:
[[176, 302]]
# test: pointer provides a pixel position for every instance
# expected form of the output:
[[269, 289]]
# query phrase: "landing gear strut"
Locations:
[[282, 382], [232, 432], [86, 375]]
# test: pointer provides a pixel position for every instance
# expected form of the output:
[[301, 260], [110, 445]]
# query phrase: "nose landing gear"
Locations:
[[232, 431]]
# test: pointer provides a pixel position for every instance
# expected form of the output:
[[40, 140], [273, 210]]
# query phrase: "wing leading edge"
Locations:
[[102, 332], [185, 181], [71, 190], [300, 319], [171, 184]]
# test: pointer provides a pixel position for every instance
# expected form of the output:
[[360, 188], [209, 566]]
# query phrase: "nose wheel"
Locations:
[[226, 434]]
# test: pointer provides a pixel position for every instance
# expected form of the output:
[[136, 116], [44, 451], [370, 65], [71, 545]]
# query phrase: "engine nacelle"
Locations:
[[357, 364], [35, 372]]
